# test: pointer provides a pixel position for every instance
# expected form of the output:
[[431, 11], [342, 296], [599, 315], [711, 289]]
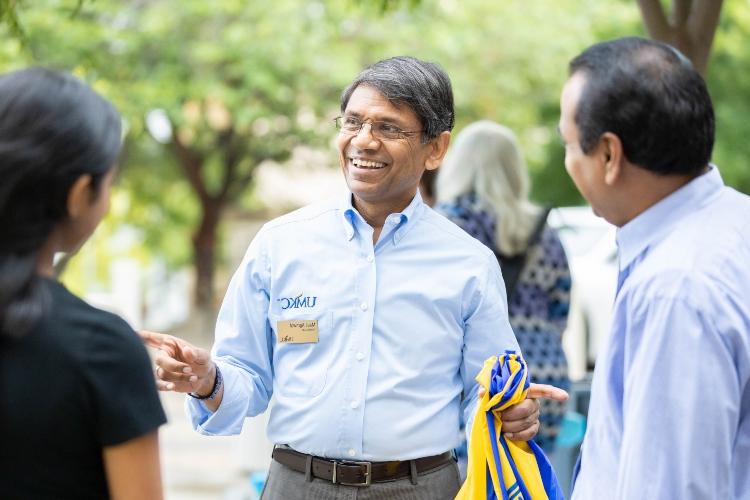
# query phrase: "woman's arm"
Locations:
[[133, 469]]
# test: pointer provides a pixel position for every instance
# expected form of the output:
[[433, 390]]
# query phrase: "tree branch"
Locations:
[[701, 27], [680, 12], [703, 21], [241, 183], [655, 20], [192, 163], [227, 145]]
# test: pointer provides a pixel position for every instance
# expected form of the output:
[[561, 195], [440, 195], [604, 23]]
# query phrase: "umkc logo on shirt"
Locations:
[[297, 302]]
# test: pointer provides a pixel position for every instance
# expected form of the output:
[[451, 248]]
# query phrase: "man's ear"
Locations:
[[438, 148], [612, 157], [79, 196]]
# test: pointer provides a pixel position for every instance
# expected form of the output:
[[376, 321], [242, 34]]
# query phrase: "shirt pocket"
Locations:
[[301, 370]]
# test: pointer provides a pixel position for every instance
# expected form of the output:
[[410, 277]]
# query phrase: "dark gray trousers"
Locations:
[[285, 484]]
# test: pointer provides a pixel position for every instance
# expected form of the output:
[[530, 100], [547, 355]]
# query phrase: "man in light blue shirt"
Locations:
[[670, 405], [366, 317]]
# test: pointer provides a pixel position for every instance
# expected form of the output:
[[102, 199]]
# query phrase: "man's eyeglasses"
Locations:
[[351, 125]]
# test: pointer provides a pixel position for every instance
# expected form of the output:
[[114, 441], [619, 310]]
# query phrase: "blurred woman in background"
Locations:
[[483, 186], [79, 411]]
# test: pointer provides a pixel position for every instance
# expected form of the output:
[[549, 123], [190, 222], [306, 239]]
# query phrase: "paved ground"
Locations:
[[197, 467]]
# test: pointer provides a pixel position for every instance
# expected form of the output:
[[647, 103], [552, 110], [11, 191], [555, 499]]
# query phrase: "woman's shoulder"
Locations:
[[470, 214], [467, 205], [83, 328]]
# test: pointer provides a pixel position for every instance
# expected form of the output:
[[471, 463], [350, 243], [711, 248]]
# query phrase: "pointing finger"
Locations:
[[547, 391]]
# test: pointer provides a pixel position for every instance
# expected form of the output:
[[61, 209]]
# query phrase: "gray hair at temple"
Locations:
[[485, 159], [421, 85]]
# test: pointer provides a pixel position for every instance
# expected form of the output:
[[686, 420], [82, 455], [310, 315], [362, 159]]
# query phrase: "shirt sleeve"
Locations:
[[681, 405], [123, 392], [487, 332], [243, 349]]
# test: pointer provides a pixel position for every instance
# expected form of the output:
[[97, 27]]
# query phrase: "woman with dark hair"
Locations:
[[79, 411]]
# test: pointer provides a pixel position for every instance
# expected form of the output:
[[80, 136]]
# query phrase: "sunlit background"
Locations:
[[228, 107]]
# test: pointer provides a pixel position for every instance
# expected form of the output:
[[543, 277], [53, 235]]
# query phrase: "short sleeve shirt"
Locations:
[[79, 381]]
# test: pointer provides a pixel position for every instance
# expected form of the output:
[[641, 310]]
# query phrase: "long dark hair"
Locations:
[[53, 129]]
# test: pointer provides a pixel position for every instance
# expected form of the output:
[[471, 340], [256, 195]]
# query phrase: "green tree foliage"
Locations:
[[240, 82], [229, 93], [729, 83]]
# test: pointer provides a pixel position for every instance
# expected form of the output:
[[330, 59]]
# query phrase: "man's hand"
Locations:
[[521, 421], [181, 366]]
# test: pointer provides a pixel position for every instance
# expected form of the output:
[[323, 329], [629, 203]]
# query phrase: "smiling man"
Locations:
[[366, 317]]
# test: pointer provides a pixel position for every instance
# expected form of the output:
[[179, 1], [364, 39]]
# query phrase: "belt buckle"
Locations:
[[368, 472]]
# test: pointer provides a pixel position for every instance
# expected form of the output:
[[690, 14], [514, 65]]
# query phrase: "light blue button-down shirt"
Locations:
[[670, 408], [404, 326]]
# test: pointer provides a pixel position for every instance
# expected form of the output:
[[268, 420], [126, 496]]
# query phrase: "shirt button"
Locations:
[[354, 404], [352, 452], [363, 306], [370, 258], [360, 356]]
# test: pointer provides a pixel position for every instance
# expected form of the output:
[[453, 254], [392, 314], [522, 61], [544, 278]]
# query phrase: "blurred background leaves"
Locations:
[[211, 90]]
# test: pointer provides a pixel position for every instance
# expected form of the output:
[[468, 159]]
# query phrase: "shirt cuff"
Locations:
[[228, 419]]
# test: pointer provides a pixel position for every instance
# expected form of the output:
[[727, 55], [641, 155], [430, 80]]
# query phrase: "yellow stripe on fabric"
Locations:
[[481, 457]]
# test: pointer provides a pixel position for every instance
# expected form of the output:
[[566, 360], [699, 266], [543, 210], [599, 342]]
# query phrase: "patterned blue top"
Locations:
[[538, 308]]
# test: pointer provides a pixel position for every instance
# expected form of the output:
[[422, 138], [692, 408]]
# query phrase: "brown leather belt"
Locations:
[[353, 473]]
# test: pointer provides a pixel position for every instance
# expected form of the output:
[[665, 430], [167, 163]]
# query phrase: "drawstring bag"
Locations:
[[499, 468]]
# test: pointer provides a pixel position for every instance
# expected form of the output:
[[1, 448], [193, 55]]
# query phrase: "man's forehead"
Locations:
[[367, 101], [574, 86], [571, 94]]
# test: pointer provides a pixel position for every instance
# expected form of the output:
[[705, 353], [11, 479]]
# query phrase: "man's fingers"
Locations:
[[195, 355], [521, 424], [151, 339], [172, 376], [547, 391], [527, 408], [164, 386], [172, 365], [525, 435], [175, 386]]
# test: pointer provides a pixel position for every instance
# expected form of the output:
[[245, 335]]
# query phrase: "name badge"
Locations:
[[297, 331]]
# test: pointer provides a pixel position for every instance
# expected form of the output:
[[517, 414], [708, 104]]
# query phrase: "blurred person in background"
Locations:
[[366, 317], [669, 416], [80, 412], [483, 186], [427, 187]]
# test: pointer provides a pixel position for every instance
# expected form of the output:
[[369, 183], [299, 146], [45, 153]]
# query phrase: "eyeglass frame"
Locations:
[[377, 133]]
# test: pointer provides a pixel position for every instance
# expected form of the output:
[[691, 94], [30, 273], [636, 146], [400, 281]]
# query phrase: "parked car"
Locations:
[[589, 243]]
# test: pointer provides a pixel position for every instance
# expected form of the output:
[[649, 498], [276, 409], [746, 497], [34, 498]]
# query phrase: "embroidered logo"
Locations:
[[297, 302]]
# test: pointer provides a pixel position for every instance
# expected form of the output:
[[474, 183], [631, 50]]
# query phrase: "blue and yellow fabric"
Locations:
[[499, 468]]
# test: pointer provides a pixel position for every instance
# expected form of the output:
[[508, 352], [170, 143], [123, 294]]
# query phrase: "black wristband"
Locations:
[[218, 382]]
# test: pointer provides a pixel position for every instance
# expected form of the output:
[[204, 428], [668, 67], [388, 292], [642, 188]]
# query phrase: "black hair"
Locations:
[[650, 96], [421, 85], [53, 129]]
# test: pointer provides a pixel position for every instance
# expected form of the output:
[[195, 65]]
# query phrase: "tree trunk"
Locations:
[[690, 28], [204, 248]]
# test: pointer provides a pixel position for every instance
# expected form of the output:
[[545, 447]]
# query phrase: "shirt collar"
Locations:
[[658, 220], [400, 220]]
